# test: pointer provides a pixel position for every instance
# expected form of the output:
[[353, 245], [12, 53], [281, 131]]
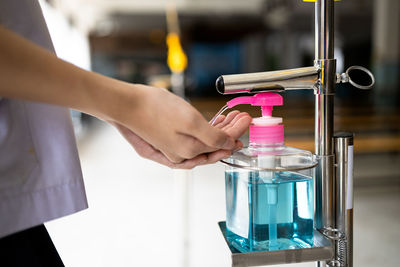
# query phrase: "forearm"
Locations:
[[31, 73], [169, 125]]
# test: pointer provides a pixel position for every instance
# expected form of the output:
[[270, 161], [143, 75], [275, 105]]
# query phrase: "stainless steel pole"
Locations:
[[344, 199], [324, 98]]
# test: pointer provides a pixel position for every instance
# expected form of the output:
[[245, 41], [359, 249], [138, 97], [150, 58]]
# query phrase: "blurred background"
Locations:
[[140, 213]]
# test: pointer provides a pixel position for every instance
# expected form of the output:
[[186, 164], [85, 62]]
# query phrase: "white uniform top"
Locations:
[[40, 173]]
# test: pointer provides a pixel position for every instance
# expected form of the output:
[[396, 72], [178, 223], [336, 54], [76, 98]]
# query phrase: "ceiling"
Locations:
[[105, 16]]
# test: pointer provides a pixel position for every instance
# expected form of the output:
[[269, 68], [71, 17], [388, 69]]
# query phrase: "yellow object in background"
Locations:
[[316, 0], [177, 59]]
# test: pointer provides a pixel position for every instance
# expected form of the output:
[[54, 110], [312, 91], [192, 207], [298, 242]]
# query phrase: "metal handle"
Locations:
[[345, 77]]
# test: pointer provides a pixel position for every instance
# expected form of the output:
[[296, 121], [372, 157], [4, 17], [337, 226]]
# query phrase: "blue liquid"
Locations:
[[268, 211]]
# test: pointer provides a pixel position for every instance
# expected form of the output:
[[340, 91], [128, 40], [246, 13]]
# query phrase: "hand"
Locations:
[[170, 124], [235, 124]]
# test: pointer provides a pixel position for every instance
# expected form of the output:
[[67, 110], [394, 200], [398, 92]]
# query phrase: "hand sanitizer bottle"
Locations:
[[269, 186]]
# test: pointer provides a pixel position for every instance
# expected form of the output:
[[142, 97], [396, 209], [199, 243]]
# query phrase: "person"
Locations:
[[40, 174]]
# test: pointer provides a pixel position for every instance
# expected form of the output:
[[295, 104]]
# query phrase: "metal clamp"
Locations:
[[345, 77], [326, 79]]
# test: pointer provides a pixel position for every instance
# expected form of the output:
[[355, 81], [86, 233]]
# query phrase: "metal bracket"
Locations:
[[322, 250], [326, 84]]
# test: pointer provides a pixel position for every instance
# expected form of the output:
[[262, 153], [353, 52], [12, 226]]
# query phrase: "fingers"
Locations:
[[234, 120], [218, 120], [234, 125], [190, 147], [227, 120], [238, 125], [186, 164], [202, 159], [190, 163], [211, 136], [145, 150], [173, 157], [205, 159], [221, 154], [217, 156]]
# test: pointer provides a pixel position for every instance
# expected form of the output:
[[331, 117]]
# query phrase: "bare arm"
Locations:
[[166, 122], [30, 72]]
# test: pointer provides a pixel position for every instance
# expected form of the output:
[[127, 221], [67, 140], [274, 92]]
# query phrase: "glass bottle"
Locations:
[[269, 186]]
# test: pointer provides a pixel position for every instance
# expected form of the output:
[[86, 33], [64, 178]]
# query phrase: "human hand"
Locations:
[[170, 124], [235, 124]]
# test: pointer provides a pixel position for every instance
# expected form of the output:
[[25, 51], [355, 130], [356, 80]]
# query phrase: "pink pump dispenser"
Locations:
[[265, 129]]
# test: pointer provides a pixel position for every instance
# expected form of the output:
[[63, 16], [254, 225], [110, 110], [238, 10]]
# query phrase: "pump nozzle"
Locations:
[[265, 100]]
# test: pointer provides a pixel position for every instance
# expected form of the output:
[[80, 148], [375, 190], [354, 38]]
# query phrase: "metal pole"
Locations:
[[344, 198], [324, 29], [324, 98]]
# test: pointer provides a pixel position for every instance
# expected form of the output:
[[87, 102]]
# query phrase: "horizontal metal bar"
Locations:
[[290, 79]]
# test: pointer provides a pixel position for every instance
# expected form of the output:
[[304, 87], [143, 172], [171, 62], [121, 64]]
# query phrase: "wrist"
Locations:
[[114, 100]]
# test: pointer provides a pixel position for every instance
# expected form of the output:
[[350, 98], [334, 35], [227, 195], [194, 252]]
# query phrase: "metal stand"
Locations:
[[333, 182], [321, 250], [324, 215]]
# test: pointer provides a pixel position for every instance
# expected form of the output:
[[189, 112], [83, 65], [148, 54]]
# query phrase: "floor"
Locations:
[[135, 216]]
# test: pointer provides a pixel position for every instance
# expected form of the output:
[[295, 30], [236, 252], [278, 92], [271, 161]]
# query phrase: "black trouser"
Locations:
[[29, 248]]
